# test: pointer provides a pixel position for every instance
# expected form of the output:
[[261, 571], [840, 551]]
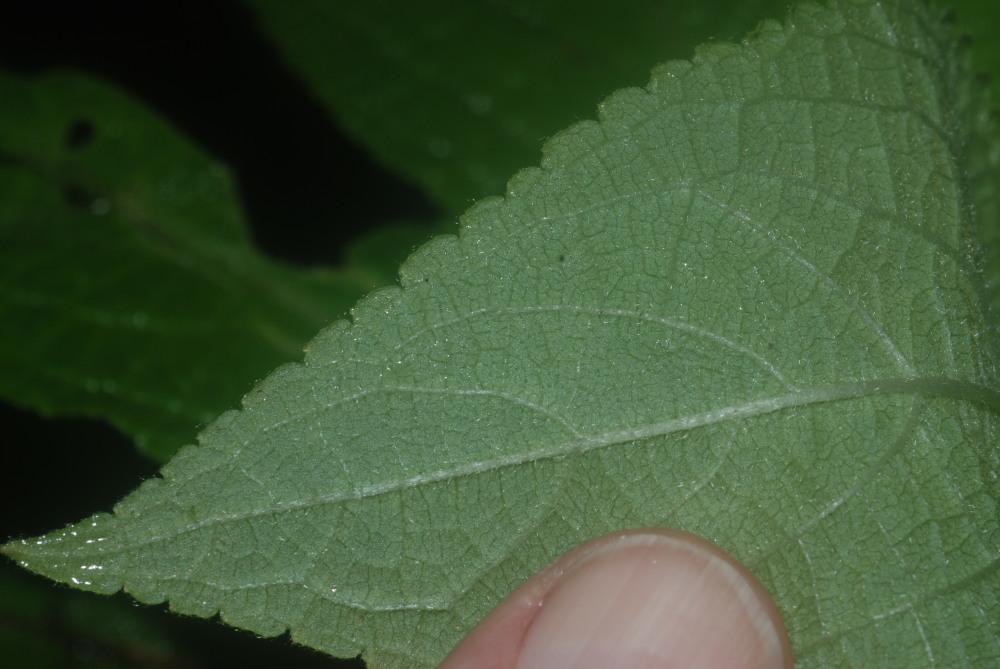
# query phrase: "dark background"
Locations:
[[306, 188]]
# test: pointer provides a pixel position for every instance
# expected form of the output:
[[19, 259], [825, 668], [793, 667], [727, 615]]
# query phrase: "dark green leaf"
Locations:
[[459, 95], [128, 286]]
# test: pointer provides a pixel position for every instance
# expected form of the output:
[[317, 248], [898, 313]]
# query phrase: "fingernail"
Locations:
[[652, 601]]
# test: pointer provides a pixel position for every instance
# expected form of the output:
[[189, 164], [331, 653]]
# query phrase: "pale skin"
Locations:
[[639, 599]]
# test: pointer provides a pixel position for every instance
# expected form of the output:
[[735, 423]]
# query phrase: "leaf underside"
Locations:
[[745, 302]]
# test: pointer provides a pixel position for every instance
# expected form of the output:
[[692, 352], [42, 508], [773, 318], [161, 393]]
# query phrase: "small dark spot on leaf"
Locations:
[[79, 134], [562, 257]]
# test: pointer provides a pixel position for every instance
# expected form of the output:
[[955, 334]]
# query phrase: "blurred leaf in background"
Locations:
[[130, 289], [459, 96]]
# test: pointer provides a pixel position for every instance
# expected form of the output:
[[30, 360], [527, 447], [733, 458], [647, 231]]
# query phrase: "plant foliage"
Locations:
[[751, 300]]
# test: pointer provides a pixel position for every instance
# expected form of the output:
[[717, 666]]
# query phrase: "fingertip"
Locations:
[[650, 598]]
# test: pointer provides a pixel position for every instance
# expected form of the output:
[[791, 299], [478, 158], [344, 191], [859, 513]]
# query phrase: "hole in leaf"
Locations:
[[76, 196], [79, 134]]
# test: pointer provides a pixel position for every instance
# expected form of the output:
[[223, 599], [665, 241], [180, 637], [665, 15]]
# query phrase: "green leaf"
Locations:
[[748, 302], [59, 628], [981, 22], [458, 95], [129, 289], [41, 626]]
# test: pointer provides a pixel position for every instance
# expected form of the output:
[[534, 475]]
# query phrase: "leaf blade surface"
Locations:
[[743, 303]]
